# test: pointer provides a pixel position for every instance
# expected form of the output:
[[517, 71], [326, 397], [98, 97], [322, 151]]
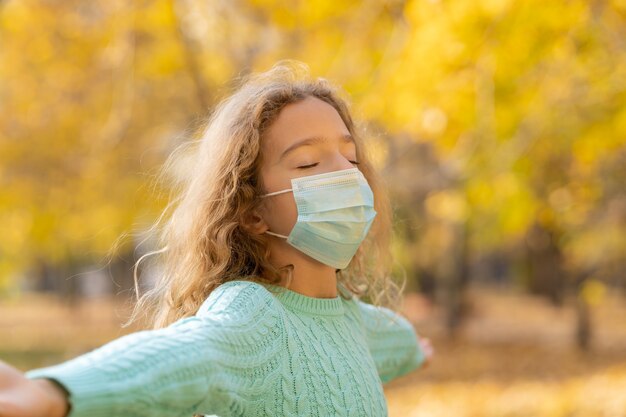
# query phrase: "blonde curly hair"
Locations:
[[203, 242]]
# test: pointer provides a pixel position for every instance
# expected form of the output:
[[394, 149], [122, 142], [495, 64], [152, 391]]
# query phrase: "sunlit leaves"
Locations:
[[526, 96], [523, 99]]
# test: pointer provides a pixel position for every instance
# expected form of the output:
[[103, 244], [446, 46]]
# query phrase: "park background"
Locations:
[[499, 126]]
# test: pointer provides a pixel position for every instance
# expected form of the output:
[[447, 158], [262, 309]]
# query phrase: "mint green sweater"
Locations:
[[247, 352]]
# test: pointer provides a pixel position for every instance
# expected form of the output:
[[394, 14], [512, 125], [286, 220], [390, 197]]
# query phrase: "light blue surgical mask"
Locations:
[[335, 212]]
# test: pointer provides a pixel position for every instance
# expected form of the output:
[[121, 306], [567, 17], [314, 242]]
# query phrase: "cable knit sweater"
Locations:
[[248, 351]]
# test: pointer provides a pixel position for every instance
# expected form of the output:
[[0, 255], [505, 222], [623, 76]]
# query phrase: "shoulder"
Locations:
[[241, 313], [239, 299], [378, 319]]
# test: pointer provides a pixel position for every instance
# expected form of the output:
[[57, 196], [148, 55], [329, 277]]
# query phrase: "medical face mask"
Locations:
[[335, 212]]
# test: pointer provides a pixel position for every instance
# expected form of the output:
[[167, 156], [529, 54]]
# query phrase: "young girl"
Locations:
[[279, 229]]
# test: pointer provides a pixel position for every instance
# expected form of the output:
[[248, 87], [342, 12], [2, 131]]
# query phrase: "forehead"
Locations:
[[306, 118]]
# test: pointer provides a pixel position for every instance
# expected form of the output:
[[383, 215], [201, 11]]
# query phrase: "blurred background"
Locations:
[[499, 125]]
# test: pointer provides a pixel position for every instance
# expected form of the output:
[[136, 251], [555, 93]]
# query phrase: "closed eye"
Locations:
[[307, 166], [315, 164]]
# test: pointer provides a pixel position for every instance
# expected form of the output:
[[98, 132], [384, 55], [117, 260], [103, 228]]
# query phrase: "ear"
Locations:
[[253, 223]]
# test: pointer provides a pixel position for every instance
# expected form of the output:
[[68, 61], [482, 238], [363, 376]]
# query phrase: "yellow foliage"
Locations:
[[448, 205], [593, 291], [595, 395], [524, 98]]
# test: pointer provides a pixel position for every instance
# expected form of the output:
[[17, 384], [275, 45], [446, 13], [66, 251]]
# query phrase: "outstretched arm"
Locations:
[[193, 366], [396, 347], [170, 371]]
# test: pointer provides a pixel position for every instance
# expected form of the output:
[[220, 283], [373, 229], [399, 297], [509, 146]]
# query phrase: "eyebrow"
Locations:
[[312, 140]]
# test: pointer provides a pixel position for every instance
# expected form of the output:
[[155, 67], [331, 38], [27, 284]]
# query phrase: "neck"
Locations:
[[314, 282], [309, 277]]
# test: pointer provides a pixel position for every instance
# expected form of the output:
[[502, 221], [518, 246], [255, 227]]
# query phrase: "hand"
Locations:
[[24, 397], [428, 350]]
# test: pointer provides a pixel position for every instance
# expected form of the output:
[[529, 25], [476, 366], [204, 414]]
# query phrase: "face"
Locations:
[[289, 152]]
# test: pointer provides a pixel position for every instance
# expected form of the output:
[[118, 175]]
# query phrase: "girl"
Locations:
[[279, 229]]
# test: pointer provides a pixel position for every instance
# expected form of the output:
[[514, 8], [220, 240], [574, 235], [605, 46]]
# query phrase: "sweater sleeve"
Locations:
[[392, 341], [188, 367]]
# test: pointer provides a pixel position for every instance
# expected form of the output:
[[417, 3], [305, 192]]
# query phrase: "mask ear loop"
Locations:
[[270, 194], [276, 192], [276, 234]]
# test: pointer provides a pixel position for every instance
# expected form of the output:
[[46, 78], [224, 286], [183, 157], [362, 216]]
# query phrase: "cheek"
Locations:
[[282, 213]]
